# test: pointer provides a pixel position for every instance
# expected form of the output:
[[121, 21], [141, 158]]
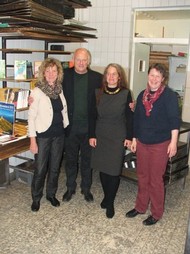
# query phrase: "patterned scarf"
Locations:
[[149, 98], [51, 91]]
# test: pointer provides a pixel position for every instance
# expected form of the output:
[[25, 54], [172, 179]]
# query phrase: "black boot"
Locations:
[[110, 185], [103, 203], [110, 212], [103, 180], [113, 185]]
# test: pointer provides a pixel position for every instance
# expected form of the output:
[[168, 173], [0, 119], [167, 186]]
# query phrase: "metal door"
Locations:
[[139, 68]]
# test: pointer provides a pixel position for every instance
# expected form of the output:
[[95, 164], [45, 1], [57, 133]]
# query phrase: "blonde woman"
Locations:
[[47, 119]]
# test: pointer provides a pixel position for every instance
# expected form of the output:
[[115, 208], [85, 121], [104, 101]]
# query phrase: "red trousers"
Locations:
[[151, 166]]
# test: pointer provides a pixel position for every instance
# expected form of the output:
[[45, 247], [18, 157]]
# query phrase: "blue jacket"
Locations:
[[164, 117]]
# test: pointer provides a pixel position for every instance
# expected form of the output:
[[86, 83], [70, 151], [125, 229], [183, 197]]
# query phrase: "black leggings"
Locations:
[[110, 185]]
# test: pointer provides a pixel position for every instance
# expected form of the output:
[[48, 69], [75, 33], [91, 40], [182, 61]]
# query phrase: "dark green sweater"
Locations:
[[80, 97]]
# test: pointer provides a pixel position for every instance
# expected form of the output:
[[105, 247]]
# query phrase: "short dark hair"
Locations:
[[159, 67]]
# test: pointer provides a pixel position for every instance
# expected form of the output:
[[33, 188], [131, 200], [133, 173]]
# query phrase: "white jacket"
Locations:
[[40, 113]]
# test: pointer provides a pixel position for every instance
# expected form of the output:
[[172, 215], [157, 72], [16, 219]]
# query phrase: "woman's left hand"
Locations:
[[132, 105], [93, 142], [172, 149]]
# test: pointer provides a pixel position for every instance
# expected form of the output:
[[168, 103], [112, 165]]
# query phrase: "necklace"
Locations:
[[114, 92]]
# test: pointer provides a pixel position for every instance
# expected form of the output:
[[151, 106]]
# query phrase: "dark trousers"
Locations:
[[77, 146], [47, 163], [110, 185], [151, 166]]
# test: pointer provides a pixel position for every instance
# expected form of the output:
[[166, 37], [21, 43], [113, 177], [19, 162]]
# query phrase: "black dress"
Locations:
[[113, 126]]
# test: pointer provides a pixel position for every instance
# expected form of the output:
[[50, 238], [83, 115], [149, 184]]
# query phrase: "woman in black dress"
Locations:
[[110, 131]]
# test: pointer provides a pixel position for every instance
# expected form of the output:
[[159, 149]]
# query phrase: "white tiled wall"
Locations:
[[113, 21]]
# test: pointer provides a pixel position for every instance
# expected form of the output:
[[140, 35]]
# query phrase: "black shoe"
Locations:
[[150, 221], [87, 196], [110, 212], [68, 195], [35, 206], [132, 213], [103, 204], [53, 201]]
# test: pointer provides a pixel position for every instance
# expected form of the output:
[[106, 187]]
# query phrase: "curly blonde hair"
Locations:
[[50, 62]]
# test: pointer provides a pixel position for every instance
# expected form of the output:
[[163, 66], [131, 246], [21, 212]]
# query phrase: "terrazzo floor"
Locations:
[[78, 227]]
